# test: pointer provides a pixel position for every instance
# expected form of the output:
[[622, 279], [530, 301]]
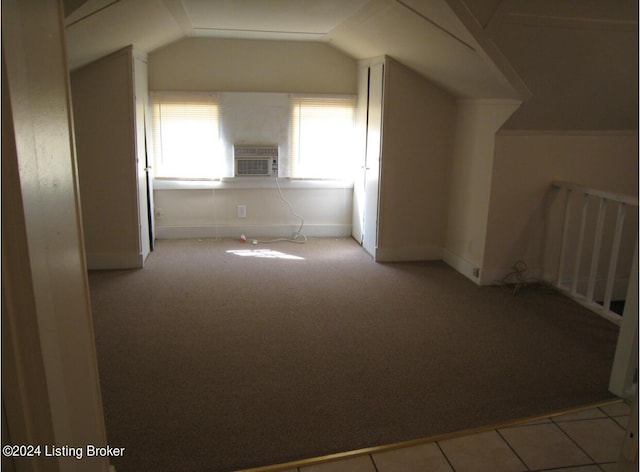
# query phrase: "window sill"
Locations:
[[249, 183]]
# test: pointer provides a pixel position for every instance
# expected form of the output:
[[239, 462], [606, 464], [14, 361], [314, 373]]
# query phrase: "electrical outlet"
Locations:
[[476, 272], [242, 211]]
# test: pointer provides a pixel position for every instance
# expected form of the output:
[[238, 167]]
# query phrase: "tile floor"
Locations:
[[588, 440]]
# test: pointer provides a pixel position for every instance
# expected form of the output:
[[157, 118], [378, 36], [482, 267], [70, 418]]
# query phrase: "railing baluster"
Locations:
[[583, 220], [595, 258], [615, 249], [565, 233], [600, 245]]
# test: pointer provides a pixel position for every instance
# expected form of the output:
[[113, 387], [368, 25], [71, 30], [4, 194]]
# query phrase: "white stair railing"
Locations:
[[624, 371], [580, 272], [623, 380]]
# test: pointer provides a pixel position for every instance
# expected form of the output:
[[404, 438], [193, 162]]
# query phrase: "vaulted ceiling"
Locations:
[[573, 62], [579, 58]]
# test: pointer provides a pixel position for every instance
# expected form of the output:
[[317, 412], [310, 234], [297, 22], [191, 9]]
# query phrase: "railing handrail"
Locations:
[[613, 196]]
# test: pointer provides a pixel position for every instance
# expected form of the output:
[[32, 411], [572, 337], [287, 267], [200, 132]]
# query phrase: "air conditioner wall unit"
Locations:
[[255, 160]]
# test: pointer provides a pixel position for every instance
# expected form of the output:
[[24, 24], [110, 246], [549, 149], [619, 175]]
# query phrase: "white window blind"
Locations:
[[186, 135], [322, 137]]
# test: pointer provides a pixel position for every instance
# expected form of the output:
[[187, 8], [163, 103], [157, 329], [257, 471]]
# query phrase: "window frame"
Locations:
[[167, 164], [304, 161]]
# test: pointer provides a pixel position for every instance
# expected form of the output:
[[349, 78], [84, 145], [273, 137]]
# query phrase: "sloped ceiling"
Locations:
[[100, 27], [573, 62], [579, 58], [426, 36], [274, 19]]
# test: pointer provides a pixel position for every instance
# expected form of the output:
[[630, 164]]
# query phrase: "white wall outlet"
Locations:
[[242, 211]]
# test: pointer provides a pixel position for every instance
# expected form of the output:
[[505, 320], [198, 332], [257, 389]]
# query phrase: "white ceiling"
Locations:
[[579, 59], [428, 37], [424, 35], [100, 27], [559, 53], [149, 24], [275, 19]]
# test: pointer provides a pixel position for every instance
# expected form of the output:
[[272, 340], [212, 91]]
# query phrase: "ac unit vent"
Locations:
[[252, 161]]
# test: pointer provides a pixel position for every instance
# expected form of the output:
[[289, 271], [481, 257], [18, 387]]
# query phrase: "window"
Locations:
[[194, 133], [322, 137], [186, 135]]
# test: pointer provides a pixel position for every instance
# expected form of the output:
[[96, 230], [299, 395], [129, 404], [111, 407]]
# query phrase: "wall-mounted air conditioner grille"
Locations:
[[252, 161]]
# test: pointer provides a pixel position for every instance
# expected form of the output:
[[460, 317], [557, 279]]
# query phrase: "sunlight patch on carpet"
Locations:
[[264, 253]]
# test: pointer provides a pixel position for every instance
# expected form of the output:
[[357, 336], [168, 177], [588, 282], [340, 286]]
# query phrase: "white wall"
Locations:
[[50, 389], [417, 142], [255, 78], [255, 118], [523, 218], [251, 66], [212, 212], [103, 108], [470, 183]]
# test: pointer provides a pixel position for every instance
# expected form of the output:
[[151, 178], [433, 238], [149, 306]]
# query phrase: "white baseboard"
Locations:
[[250, 231], [114, 260], [466, 268], [495, 276], [408, 253]]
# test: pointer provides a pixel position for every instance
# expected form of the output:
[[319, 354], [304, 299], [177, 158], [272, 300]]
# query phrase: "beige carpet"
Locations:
[[221, 355]]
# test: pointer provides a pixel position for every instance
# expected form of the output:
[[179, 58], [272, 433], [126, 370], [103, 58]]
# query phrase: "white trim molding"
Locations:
[[114, 260], [251, 231], [408, 253], [463, 266], [248, 183], [559, 132]]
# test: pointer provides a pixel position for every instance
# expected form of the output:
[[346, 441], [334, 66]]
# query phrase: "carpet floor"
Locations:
[[220, 355]]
